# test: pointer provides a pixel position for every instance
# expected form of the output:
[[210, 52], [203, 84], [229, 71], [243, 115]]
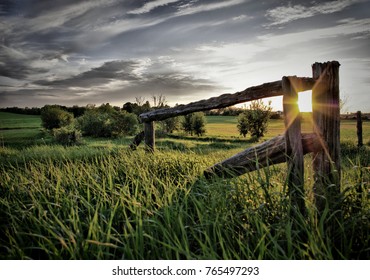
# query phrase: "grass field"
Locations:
[[102, 201]]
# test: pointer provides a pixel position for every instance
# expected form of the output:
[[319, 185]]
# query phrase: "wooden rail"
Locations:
[[225, 100], [323, 143], [268, 153]]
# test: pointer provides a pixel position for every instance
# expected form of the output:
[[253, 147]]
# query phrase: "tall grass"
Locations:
[[134, 205]]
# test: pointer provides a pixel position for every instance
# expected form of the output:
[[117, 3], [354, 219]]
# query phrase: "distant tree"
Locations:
[[187, 124], [342, 104], [255, 119], [159, 101], [77, 110], [128, 107], [140, 100], [194, 123], [55, 117], [141, 106], [199, 123], [243, 124], [106, 108], [170, 125]]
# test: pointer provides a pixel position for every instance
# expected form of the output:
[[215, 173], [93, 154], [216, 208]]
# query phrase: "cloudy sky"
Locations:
[[92, 52]]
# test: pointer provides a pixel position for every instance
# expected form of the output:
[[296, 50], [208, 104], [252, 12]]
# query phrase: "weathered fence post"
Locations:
[[359, 129], [293, 143], [326, 117], [137, 140], [149, 136]]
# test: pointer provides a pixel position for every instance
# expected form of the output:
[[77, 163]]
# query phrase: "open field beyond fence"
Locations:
[[102, 201]]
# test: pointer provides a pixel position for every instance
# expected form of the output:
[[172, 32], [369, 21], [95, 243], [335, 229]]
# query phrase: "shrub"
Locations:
[[94, 123], [103, 124], [124, 123], [255, 119], [67, 136], [54, 117]]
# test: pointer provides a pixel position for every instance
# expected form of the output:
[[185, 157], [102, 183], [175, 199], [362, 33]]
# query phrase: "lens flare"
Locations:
[[305, 101]]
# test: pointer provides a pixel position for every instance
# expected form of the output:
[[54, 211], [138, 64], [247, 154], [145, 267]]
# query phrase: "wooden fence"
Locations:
[[290, 148]]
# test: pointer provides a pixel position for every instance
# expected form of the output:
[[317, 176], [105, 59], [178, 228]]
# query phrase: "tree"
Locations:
[[194, 123], [128, 107], [199, 123], [159, 101], [170, 124], [187, 124], [52, 116], [255, 119]]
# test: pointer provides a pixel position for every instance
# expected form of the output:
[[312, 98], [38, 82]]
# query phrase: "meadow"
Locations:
[[101, 200]]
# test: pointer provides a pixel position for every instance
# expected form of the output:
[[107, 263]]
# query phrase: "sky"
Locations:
[[71, 52]]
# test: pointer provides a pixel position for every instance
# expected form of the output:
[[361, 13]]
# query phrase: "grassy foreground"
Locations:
[[101, 201]]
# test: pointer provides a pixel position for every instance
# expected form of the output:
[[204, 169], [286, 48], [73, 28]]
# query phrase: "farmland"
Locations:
[[100, 200]]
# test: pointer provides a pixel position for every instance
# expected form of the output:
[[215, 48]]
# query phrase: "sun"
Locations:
[[305, 101]]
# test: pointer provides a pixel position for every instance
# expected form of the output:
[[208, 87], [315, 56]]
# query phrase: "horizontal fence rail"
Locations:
[[323, 143], [225, 100]]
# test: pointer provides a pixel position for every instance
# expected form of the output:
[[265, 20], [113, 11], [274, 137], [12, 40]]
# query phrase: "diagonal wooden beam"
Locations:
[[268, 153], [226, 100]]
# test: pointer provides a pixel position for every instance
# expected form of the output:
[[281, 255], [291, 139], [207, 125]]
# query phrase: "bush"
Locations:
[[255, 119], [96, 124], [103, 124], [67, 136], [54, 117], [124, 123]]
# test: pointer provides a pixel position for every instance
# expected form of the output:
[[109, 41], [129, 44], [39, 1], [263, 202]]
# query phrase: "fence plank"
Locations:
[[293, 143], [268, 153], [225, 100], [326, 163]]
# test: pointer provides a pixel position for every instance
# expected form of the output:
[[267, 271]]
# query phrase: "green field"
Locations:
[[17, 121], [100, 200]]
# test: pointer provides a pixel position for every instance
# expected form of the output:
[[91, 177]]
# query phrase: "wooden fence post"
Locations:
[[360, 142], [137, 140], [293, 143], [149, 137], [326, 117]]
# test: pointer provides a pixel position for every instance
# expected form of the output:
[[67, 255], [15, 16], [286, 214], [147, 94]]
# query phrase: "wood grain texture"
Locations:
[[326, 117], [268, 153], [225, 100], [293, 143]]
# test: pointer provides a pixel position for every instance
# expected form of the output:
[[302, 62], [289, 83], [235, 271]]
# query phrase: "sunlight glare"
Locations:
[[305, 101]]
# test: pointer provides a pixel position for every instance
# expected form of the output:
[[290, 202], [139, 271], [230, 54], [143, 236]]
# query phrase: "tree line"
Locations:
[[69, 124]]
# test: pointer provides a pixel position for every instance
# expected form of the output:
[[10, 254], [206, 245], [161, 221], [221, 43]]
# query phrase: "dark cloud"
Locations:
[[16, 65], [79, 52], [114, 81], [112, 70]]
